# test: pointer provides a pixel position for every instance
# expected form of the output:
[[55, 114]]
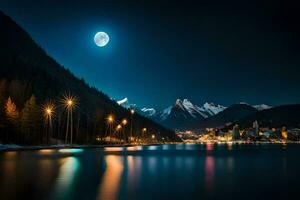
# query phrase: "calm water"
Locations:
[[154, 172]]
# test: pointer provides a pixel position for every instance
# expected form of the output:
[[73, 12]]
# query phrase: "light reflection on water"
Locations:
[[149, 172], [68, 170], [110, 184], [134, 148], [209, 172], [71, 151]]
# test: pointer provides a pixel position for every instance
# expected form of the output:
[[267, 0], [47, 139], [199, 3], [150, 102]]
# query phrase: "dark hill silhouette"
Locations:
[[285, 115]]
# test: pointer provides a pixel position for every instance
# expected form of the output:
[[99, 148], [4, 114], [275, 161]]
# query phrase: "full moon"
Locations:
[[101, 39]]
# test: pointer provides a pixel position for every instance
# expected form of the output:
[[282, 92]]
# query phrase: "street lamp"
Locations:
[[144, 130], [48, 113], [110, 120], [124, 122], [69, 102], [131, 121], [119, 127]]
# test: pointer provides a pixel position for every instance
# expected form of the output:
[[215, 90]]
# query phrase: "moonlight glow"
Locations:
[[101, 39]]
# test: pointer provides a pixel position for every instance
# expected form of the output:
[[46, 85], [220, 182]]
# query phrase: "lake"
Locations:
[[183, 171]]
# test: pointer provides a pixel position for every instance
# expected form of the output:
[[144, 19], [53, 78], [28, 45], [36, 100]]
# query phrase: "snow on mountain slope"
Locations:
[[258, 107], [212, 108], [262, 107], [194, 110], [148, 111], [165, 113], [189, 110], [125, 103]]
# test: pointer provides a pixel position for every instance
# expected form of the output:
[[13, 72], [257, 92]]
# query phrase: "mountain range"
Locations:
[[183, 114]]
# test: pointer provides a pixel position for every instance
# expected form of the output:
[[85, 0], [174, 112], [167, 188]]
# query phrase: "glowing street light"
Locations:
[[70, 103], [48, 113], [124, 122], [144, 130], [131, 121], [119, 127], [132, 111], [110, 120], [153, 136]]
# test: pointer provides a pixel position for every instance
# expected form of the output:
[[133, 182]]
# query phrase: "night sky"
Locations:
[[216, 51]]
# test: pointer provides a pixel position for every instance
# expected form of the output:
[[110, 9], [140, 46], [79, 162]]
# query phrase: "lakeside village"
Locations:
[[238, 135]]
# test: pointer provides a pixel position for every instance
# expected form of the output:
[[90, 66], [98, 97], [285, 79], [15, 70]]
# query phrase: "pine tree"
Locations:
[[31, 120], [11, 112], [12, 117]]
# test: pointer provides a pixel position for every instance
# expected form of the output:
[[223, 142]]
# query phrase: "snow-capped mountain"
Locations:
[[148, 112], [194, 111], [212, 108], [184, 112], [262, 107], [259, 106], [125, 103]]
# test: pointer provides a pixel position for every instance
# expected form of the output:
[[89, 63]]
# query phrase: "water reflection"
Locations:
[[229, 146], [209, 146], [155, 147], [230, 164], [110, 184], [46, 151], [70, 150], [65, 180], [134, 148], [199, 171], [10, 154], [113, 149], [209, 172], [8, 177]]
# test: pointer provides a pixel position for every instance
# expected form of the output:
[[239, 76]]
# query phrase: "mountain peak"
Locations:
[[125, 103], [212, 108], [122, 101]]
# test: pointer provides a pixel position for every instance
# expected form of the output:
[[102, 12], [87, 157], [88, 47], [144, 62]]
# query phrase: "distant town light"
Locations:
[[132, 111], [119, 127], [124, 122], [110, 119]]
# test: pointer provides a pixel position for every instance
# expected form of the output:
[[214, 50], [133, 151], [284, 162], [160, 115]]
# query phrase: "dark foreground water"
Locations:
[[153, 172]]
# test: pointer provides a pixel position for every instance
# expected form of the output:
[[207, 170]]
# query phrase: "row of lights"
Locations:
[[70, 102], [110, 120]]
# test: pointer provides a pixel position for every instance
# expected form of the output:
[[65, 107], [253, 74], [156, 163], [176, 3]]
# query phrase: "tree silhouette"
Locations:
[[31, 121]]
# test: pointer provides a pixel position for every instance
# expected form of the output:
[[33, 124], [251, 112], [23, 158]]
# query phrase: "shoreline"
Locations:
[[13, 147]]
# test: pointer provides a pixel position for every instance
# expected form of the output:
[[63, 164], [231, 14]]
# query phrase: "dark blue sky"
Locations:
[[205, 51]]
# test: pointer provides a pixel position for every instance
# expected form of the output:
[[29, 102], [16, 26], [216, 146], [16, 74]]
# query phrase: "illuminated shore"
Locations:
[[10, 147]]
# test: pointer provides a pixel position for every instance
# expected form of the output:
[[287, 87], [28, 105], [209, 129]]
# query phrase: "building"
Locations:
[[235, 132], [255, 128]]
